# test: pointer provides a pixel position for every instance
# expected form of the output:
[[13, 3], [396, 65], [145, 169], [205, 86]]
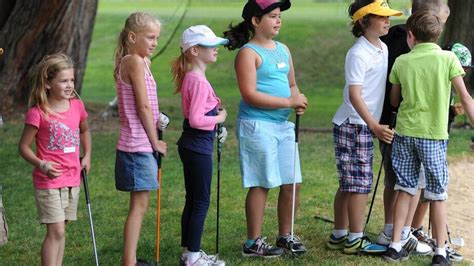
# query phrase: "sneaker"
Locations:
[[439, 260], [363, 245], [423, 237], [383, 239], [261, 249], [336, 243], [393, 256], [294, 246], [206, 260], [183, 258], [453, 255]]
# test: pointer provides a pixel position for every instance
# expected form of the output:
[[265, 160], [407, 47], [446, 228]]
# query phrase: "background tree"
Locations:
[[30, 29], [459, 28]]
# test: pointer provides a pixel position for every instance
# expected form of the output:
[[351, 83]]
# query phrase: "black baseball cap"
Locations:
[[260, 7]]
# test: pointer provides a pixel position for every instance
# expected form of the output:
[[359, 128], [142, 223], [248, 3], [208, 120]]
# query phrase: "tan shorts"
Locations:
[[57, 205]]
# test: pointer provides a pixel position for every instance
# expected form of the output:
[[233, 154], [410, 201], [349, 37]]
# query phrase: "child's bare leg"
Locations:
[[59, 261], [254, 211], [389, 197], [412, 208], [52, 244], [341, 203], [131, 232], [285, 204], [420, 213], [400, 214], [356, 211], [439, 221]]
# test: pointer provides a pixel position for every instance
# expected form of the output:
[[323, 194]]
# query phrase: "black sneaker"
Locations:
[[294, 246], [261, 249], [439, 260], [391, 255]]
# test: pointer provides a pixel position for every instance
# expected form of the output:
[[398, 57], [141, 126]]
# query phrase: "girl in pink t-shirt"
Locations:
[[57, 122], [135, 165], [200, 107]]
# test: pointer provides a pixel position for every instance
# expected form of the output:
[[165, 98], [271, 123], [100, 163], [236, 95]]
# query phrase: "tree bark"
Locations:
[[30, 29], [459, 29]]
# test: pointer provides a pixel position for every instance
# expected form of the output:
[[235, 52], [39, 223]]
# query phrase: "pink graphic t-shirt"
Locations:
[[58, 140]]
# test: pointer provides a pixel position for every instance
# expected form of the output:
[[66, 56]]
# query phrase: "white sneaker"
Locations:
[[383, 239], [416, 246], [206, 260]]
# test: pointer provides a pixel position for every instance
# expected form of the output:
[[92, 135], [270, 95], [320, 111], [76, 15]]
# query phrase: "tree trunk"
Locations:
[[459, 29], [30, 29]]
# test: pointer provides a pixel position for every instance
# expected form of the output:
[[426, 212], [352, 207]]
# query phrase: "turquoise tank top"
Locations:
[[272, 79]]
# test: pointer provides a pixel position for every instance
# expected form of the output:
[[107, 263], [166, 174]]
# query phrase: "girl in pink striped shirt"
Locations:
[[135, 165], [201, 111]]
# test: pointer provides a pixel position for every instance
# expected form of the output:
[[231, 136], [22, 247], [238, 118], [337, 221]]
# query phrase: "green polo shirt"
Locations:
[[425, 75]]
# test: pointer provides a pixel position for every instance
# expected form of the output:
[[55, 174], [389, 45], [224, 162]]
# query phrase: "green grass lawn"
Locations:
[[317, 33]]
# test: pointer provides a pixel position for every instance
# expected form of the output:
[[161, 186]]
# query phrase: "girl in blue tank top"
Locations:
[[265, 74]]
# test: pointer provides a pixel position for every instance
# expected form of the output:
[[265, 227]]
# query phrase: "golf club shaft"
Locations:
[[89, 210], [158, 202], [293, 203], [391, 125], [219, 153]]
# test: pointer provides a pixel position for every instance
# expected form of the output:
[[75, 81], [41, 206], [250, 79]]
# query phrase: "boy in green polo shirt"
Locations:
[[422, 78]]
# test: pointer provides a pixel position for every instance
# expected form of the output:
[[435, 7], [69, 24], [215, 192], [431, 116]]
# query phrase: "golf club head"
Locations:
[[457, 241]]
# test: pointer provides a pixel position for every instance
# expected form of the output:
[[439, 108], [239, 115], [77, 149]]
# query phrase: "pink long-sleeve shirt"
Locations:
[[198, 98]]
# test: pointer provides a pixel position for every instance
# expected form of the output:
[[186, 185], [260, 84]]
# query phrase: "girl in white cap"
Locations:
[[202, 112], [268, 159]]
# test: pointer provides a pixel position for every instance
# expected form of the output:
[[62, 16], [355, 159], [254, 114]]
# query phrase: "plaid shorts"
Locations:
[[408, 153], [353, 145]]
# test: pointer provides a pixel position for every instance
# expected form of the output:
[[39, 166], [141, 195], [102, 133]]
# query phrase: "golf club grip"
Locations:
[[86, 185], [158, 154], [393, 118], [297, 127]]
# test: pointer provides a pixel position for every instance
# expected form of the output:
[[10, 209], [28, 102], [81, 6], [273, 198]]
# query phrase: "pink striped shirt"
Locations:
[[132, 137], [198, 98]]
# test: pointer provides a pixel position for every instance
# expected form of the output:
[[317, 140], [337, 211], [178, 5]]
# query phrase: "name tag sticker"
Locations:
[[69, 149], [281, 65]]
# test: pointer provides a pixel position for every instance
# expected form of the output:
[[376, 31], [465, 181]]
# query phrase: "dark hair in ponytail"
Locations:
[[239, 35]]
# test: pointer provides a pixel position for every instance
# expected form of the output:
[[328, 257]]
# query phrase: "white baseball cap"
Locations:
[[200, 35]]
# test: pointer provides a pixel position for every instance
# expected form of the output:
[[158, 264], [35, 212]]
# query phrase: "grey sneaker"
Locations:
[[261, 249], [294, 246], [206, 260]]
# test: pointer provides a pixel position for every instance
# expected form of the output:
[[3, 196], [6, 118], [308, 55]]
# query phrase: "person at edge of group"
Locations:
[[423, 138], [464, 56], [138, 144], [202, 113], [356, 120], [57, 122], [266, 139], [397, 45]]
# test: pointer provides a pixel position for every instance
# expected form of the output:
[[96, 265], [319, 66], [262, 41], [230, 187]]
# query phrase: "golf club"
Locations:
[[88, 202], [391, 125], [219, 153], [293, 203], [456, 241], [158, 204]]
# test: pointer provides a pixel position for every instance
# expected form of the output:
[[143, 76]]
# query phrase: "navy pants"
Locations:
[[197, 168]]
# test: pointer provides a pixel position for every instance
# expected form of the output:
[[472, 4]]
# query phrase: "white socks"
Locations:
[[339, 233], [396, 246], [440, 251], [353, 236], [193, 256]]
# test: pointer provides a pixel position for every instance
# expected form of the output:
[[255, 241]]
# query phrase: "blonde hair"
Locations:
[[179, 67], [136, 22], [41, 74]]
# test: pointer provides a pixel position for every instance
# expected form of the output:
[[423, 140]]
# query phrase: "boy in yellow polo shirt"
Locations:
[[422, 78]]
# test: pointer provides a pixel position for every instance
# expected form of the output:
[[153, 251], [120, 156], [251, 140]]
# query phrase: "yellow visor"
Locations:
[[379, 7]]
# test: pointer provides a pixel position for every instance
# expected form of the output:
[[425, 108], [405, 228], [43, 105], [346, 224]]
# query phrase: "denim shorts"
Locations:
[[267, 153], [409, 154], [135, 171], [353, 146]]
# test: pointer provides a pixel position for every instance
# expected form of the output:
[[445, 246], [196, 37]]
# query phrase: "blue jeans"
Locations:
[[197, 170]]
